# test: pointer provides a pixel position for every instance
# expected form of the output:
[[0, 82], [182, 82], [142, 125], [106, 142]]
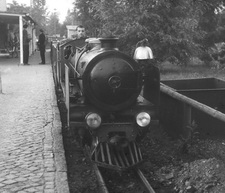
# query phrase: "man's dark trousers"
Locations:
[[25, 53], [42, 53]]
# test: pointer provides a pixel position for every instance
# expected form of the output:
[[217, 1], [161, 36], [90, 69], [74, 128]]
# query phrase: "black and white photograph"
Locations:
[[112, 96]]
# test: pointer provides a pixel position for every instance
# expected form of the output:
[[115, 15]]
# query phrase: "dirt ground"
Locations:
[[184, 166], [171, 166]]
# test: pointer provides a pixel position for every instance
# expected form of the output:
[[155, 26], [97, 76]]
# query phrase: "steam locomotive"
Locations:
[[111, 103]]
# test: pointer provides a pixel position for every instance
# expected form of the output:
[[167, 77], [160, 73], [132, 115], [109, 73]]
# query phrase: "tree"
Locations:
[[84, 13], [14, 7], [177, 29], [39, 12], [53, 25]]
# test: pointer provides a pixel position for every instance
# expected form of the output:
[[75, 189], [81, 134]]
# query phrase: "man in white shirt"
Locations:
[[150, 72], [143, 52], [143, 55]]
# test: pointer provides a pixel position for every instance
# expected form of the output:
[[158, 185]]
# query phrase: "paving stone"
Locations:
[[33, 168], [2, 185], [2, 179], [9, 182], [10, 176], [20, 179], [31, 190], [15, 189], [49, 191]]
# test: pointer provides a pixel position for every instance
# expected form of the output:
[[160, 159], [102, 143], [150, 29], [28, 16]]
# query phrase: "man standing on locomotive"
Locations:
[[74, 53], [143, 54]]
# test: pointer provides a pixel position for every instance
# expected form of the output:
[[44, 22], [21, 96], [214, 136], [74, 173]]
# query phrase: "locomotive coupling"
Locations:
[[119, 141]]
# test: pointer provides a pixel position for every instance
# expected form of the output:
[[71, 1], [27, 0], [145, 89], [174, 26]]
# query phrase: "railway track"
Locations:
[[102, 183], [143, 182]]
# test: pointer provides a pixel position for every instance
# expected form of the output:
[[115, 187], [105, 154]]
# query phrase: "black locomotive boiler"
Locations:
[[109, 105]]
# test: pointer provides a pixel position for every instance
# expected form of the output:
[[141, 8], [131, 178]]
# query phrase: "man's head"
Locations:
[[25, 26], [80, 31], [145, 42], [41, 30]]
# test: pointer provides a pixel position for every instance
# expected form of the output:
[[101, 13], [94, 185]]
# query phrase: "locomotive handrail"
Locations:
[[191, 102], [71, 65]]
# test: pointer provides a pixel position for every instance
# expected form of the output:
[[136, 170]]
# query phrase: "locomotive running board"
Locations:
[[117, 158]]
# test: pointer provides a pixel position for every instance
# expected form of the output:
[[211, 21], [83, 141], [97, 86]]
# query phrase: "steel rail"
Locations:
[[101, 182], [147, 186]]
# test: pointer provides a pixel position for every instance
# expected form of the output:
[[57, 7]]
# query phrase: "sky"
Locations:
[[61, 6]]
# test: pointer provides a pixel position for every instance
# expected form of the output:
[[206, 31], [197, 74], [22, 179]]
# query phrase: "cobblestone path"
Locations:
[[31, 149]]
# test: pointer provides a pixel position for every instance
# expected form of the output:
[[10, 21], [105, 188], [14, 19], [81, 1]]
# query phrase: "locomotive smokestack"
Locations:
[[109, 43]]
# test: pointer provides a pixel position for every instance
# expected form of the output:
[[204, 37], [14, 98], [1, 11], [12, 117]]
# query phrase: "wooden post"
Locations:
[[0, 83], [21, 38], [67, 93], [187, 121]]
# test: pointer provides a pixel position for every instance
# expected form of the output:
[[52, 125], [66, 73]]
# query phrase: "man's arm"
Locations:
[[150, 53]]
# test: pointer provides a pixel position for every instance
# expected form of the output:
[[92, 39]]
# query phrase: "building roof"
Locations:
[[71, 27], [13, 18]]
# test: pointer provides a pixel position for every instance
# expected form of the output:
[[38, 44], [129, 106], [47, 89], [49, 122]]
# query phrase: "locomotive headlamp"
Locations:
[[93, 120], [143, 119]]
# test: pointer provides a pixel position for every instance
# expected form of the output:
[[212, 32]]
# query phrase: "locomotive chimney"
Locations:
[[109, 43]]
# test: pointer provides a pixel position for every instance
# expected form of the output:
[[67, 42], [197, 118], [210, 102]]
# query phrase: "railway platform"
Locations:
[[32, 157]]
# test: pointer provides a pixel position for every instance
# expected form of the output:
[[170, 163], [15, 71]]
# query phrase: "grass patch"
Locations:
[[170, 71]]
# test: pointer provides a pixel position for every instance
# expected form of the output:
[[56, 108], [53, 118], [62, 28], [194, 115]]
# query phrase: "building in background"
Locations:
[[31, 3], [3, 6], [13, 22], [71, 31]]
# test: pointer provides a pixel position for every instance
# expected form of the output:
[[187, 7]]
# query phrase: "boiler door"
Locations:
[[113, 83]]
